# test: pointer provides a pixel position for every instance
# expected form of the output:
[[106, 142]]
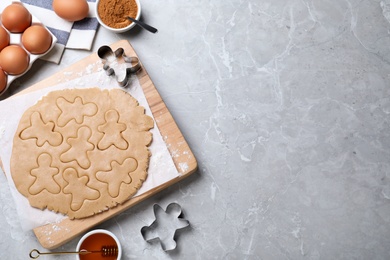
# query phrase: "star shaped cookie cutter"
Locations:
[[117, 63], [165, 226]]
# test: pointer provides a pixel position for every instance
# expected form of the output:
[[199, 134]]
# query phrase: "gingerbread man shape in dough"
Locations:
[[112, 130], [79, 147]]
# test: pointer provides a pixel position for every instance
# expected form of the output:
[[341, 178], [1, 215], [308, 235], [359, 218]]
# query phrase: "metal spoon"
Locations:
[[143, 25]]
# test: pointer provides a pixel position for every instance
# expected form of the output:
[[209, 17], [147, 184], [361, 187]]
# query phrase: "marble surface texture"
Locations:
[[286, 106]]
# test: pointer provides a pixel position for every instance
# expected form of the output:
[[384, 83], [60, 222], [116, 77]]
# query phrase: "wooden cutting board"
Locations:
[[54, 235]]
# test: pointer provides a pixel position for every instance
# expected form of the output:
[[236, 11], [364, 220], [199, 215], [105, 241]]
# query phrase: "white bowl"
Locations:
[[119, 30], [99, 231]]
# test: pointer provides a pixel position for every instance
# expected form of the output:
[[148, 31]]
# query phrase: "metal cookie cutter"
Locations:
[[112, 60], [165, 226]]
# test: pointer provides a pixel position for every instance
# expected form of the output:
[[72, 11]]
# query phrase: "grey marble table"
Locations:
[[286, 106]]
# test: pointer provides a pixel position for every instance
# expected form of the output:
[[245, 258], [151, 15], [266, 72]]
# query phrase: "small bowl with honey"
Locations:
[[112, 15], [99, 244]]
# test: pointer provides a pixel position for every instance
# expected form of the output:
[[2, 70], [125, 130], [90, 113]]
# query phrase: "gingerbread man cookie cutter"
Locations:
[[165, 227], [112, 61]]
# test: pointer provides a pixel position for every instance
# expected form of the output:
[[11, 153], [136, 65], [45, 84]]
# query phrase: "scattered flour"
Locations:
[[183, 167]]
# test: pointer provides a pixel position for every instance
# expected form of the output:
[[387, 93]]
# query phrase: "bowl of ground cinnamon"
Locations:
[[112, 14]]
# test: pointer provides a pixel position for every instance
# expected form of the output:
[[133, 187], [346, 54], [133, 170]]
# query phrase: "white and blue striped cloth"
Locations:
[[72, 35]]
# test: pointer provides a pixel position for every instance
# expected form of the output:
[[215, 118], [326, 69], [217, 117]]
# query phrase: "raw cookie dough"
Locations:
[[81, 151]]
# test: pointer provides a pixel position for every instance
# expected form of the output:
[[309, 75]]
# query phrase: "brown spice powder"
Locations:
[[113, 13]]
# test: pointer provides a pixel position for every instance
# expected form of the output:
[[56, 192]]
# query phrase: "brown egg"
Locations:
[[36, 39], [16, 18], [71, 10], [14, 60], [4, 38], [3, 80]]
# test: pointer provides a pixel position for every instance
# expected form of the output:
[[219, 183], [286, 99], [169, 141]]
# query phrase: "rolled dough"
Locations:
[[81, 151]]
